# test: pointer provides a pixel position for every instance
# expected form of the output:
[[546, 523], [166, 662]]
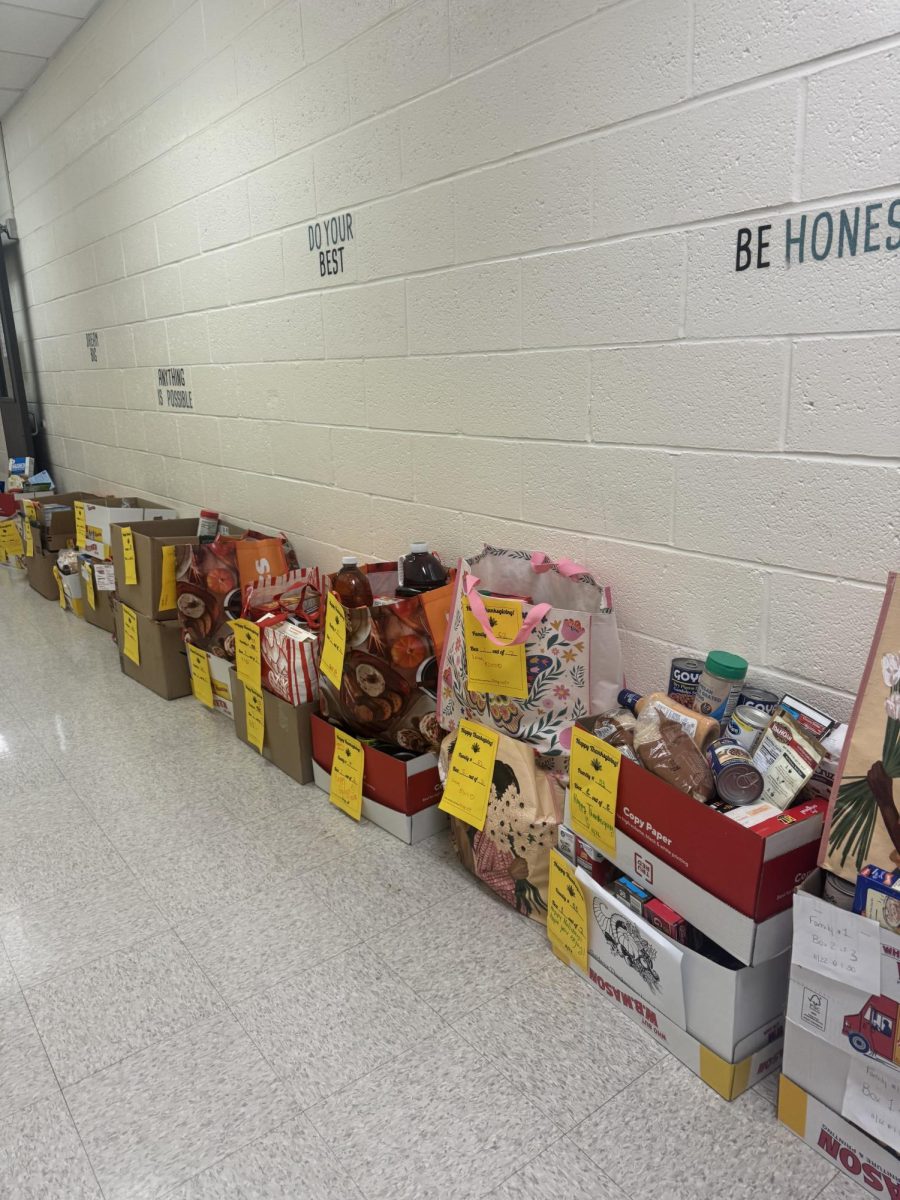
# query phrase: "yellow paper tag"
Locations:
[[334, 641], [29, 540], [255, 712], [167, 588], [30, 510], [201, 681], [246, 654], [347, 774], [128, 555], [567, 913], [132, 648], [10, 538], [593, 790], [88, 576], [467, 790], [80, 524], [498, 670], [59, 587]]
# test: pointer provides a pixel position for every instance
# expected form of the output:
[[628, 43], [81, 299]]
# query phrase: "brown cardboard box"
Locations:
[[39, 570], [102, 614], [101, 516], [287, 741], [60, 529], [149, 538], [164, 666]]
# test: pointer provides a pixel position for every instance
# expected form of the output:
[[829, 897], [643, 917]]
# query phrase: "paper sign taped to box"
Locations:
[[836, 943], [872, 1099]]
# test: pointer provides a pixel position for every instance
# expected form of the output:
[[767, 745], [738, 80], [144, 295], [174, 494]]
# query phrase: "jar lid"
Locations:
[[725, 665], [349, 560], [418, 547]]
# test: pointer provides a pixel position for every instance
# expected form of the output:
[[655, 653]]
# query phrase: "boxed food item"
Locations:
[[163, 664], [150, 566], [863, 823], [54, 515], [630, 893], [878, 896], [667, 920], [582, 854], [287, 740]]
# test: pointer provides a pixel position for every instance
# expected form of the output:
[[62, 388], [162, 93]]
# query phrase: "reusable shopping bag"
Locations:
[[512, 853], [389, 683], [287, 610], [573, 661]]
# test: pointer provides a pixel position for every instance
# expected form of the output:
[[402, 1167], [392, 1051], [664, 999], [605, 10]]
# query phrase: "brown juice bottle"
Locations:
[[351, 586]]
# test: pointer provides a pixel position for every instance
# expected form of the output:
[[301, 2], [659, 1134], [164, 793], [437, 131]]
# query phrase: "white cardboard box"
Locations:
[[409, 829], [221, 673], [735, 932], [847, 1148], [819, 1068], [99, 519], [723, 1006]]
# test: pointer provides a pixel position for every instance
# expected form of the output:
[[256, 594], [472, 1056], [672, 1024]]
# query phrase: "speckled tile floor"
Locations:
[[213, 984]]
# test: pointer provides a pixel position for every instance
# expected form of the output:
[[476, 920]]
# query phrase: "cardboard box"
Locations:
[[408, 827], [753, 871], [408, 787], [164, 667], [102, 612], [74, 593], [846, 1018], [39, 570], [818, 1068], [852, 1152], [149, 538], [709, 999], [287, 740], [756, 1057], [750, 941], [100, 518], [57, 528]]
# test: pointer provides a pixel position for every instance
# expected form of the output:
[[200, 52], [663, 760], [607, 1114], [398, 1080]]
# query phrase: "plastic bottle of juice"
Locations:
[[420, 571], [351, 586]]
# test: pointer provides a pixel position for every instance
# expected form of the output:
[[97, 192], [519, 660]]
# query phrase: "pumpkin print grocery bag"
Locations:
[[567, 646]]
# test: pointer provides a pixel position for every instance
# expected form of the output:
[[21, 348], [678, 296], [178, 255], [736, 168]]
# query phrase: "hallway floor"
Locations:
[[214, 984]]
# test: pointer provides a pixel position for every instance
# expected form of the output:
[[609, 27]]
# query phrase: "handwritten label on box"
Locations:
[[567, 913], [495, 670], [347, 767], [128, 555], [201, 683], [593, 790], [837, 943], [872, 1099], [467, 790], [167, 585], [247, 653], [334, 641]]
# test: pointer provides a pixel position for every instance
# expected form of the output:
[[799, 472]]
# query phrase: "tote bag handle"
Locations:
[[541, 563], [476, 604]]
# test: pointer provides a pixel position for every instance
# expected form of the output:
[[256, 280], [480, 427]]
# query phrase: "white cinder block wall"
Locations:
[[537, 335]]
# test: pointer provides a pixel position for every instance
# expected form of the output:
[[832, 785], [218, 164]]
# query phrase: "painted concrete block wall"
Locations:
[[536, 334]]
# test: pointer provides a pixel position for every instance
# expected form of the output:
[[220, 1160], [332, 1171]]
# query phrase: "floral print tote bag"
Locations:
[[573, 660]]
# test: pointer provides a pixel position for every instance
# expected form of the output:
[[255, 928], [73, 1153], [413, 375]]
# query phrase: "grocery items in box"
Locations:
[[667, 749], [787, 755], [616, 728], [878, 896], [720, 685], [746, 725], [568, 646], [754, 697], [511, 854], [823, 777], [737, 780], [699, 728], [684, 675], [389, 678], [207, 526]]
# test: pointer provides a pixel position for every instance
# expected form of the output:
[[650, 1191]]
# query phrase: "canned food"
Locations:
[[746, 725], [838, 891], [754, 697], [737, 780], [684, 676]]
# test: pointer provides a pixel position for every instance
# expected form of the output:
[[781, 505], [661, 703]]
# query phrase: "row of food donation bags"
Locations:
[[415, 666]]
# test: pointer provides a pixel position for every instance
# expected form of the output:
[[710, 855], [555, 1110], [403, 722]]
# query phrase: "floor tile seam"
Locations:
[[834, 1175], [44, 753], [62, 1095], [287, 978], [548, 1145], [393, 971]]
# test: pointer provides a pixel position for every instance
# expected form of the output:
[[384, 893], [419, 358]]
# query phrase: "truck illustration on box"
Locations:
[[874, 1029]]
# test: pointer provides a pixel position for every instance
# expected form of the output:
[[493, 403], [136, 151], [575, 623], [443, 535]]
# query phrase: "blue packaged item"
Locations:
[[878, 896]]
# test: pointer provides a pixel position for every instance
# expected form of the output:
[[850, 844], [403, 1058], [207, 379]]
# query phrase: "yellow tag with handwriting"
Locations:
[[30, 510], [10, 538], [80, 524], [167, 587], [201, 682], [347, 774], [128, 555], [467, 790], [132, 647], [29, 539], [247, 654], [255, 712], [87, 576], [59, 587], [567, 926], [498, 670], [593, 790], [334, 641]]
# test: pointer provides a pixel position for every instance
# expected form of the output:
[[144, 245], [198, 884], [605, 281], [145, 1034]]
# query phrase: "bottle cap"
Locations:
[[418, 547], [725, 665], [349, 560]]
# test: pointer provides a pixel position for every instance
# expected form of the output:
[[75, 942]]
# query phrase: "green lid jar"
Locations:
[[720, 685]]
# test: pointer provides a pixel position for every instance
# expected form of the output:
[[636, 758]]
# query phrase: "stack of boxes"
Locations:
[[50, 522], [695, 948], [147, 630], [840, 1087]]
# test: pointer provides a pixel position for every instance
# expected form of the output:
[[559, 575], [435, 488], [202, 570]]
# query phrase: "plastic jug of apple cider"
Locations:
[[351, 585], [419, 571]]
